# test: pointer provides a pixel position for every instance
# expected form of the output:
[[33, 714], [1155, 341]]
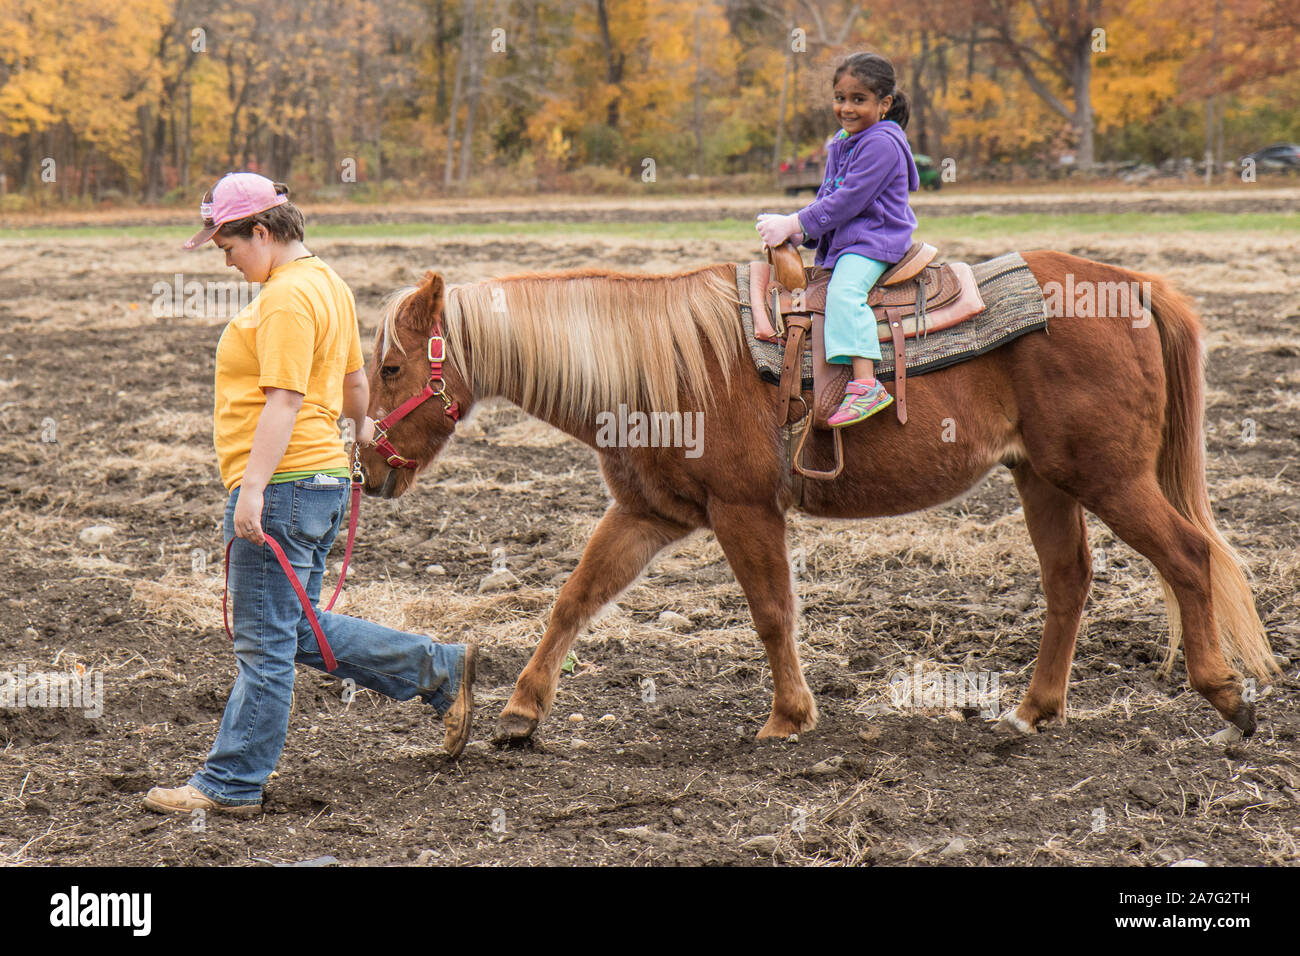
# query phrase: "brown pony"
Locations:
[[1096, 414]]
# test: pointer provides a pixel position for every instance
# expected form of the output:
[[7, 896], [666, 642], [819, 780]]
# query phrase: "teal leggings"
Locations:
[[850, 330]]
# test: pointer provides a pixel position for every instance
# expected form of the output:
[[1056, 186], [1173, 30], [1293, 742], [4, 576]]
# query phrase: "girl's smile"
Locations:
[[856, 107]]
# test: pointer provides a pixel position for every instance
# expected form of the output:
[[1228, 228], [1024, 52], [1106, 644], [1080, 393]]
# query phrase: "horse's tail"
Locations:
[[1181, 472]]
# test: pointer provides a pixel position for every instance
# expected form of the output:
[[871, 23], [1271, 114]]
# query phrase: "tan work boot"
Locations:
[[460, 715], [187, 799]]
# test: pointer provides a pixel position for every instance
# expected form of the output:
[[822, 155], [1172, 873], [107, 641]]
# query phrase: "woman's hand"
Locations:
[[248, 515], [775, 229], [366, 437]]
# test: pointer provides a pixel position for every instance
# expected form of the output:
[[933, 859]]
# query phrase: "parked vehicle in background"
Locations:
[[1278, 158], [929, 173], [804, 172]]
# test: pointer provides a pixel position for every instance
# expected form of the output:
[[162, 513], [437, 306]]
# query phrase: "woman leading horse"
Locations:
[[287, 367], [567, 346]]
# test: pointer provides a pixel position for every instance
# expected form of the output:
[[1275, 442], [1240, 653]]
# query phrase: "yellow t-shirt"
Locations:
[[299, 333]]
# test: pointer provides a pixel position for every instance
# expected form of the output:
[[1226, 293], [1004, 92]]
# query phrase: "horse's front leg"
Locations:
[[753, 539], [621, 547]]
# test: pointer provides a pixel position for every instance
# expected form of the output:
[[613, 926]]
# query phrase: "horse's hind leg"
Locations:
[[1056, 526], [1143, 517], [620, 548], [753, 539]]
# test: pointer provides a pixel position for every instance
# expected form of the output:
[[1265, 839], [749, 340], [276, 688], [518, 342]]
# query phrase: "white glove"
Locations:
[[775, 229]]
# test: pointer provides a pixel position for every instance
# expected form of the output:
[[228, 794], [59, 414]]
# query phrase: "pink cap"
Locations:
[[237, 195]]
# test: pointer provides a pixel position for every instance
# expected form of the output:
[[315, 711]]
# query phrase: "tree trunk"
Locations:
[[237, 105], [698, 105], [189, 138], [920, 97], [143, 119], [1214, 108], [613, 62], [27, 160], [63, 153], [796, 127], [330, 172], [173, 128], [1083, 102], [84, 180], [475, 91], [779, 146], [1070, 35], [440, 52], [466, 15]]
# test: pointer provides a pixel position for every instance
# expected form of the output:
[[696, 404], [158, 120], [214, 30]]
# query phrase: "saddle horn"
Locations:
[[787, 265]]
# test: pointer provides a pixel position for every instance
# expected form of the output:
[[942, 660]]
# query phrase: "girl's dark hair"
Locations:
[[284, 222], [876, 74]]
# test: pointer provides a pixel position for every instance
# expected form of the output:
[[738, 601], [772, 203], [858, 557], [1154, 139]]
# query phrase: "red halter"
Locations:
[[435, 386]]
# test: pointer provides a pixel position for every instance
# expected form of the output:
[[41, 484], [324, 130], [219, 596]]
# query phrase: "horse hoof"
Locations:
[[1014, 725], [784, 730], [513, 729], [1244, 718]]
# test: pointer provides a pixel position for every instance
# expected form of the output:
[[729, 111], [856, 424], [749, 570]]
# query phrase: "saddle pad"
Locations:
[[1013, 306]]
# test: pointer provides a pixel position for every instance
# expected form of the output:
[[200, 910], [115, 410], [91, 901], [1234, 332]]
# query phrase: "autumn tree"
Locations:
[[1052, 44]]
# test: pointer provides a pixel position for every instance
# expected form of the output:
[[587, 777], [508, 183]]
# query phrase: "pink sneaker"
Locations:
[[863, 397]]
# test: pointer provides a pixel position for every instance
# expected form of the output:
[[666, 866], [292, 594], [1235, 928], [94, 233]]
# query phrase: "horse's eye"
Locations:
[[389, 371]]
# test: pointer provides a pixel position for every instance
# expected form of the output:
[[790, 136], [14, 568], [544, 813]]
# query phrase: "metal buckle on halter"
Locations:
[[448, 403], [442, 348]]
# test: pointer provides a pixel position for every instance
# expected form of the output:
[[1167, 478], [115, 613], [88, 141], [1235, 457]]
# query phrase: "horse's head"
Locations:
[[416, 393]]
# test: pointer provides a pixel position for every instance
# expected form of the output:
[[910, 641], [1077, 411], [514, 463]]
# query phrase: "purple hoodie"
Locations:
[[862, 204]]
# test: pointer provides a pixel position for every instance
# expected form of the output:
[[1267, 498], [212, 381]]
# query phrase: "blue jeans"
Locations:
[[272, 633], [850, 329]]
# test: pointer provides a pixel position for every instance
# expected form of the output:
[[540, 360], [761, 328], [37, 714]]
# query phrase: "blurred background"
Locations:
[[151, 100]]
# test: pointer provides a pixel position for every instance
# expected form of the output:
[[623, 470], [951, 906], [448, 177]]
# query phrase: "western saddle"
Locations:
[[914, 297]]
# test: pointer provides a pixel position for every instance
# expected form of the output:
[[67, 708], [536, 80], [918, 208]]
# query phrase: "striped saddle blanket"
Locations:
[[1013, 306]]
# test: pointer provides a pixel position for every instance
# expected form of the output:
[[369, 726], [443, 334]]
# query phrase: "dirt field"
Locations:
[[614, 778]]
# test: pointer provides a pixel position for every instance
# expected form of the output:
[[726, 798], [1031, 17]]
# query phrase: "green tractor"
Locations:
[[928, 172]]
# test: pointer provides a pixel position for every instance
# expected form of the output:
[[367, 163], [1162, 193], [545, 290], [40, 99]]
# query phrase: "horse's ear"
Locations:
[[428, 301]]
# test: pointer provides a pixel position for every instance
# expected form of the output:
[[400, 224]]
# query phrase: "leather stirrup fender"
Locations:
[[792, 368], [900, 364]]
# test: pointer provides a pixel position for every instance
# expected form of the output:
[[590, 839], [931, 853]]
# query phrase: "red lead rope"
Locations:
[[325, 652]]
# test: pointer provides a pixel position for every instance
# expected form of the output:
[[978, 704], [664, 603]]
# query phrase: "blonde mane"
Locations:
[[571, 344]]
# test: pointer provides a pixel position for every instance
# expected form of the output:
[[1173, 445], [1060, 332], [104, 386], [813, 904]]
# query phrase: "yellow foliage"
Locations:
[[1146, 46]]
